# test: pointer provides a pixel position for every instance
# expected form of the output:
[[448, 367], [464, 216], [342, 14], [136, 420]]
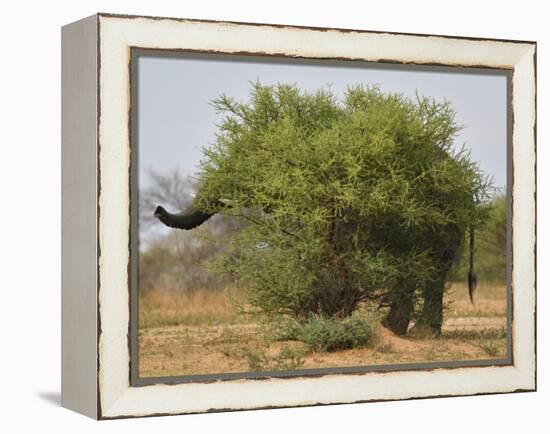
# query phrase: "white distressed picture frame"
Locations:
[[96, 215]]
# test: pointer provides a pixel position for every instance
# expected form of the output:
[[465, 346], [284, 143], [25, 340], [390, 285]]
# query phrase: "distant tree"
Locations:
[[353, 200], [493, 246]]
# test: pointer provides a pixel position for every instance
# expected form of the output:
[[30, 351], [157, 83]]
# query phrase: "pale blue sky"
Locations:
[[175, 118]]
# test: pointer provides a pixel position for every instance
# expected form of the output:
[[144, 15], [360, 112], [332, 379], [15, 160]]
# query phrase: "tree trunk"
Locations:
[[337, 299], [401, 310]]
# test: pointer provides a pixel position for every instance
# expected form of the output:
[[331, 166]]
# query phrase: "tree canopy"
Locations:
[[349, 199]]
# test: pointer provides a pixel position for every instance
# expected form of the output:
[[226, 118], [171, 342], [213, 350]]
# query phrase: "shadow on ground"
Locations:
[[52, 398]]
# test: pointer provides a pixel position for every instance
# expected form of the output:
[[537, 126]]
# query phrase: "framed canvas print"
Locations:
[[262, 216]]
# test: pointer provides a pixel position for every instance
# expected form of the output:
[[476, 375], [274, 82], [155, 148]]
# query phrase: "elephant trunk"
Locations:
[[185, 220]]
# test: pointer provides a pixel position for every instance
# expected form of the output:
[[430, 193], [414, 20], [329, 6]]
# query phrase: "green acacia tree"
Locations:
[[348, 200]]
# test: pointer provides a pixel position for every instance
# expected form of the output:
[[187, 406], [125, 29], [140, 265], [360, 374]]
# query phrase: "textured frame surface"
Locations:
[[117, 35]]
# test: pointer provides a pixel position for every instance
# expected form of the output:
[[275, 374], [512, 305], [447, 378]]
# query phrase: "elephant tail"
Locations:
[[472, 277]]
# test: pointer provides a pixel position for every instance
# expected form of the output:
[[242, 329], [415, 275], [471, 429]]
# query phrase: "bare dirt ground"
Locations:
[[202, 334]]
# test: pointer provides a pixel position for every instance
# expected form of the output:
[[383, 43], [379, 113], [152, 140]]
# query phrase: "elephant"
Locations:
[[402, 306]]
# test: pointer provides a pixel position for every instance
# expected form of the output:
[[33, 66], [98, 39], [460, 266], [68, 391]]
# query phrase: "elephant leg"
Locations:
[[431, 318]]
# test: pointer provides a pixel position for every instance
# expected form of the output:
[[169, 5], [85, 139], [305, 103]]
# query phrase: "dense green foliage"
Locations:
[[350, 200]]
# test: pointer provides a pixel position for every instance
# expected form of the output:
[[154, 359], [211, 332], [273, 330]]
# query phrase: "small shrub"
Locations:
[[323, 334], [283, 329]]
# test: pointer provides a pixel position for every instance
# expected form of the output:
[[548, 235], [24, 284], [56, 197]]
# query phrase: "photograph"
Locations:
[[297, 216]]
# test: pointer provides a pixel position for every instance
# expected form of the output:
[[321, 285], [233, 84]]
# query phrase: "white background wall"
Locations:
[[30, 217]]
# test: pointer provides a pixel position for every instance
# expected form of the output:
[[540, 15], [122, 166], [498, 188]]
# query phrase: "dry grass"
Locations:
[[489, 301], [201, 332], [196, 308]]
